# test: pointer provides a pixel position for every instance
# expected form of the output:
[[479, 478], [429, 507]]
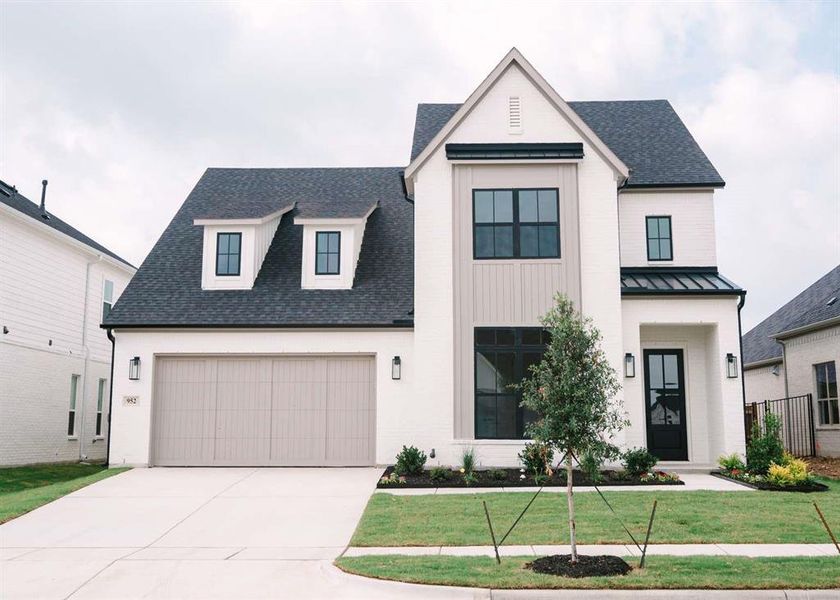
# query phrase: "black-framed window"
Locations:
[[827, 401], [502, 358], [100, 403], [327, 252], [516, 223], [659, 241], [228, 253], [71, 414]]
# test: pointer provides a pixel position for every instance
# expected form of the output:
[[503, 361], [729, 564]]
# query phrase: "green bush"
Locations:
[[468, 461], [439, 474], [765, 447], [497, 474], [638, 461], [591, 466], [731, 462], [537, 457], [410, 461]]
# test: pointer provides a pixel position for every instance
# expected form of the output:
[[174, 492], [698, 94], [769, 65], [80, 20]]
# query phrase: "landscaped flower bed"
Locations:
[[497, 478], [760, 482]]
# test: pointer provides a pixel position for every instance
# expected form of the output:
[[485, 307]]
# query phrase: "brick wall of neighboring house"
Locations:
[[34, 407], [761, 384], [802, 353]]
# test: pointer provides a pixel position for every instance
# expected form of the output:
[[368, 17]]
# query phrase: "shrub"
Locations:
[[410, 461], [765, 447], [731, 462], [439, 474], [540, 479], [497, 474], [537, 457], [792, 471], [591, 466], [468, 461], [470, 478], [638, 461]]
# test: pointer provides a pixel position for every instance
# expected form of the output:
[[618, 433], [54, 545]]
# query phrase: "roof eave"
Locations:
[[396, 324], [783, 335], [764, 362], [677, 186]]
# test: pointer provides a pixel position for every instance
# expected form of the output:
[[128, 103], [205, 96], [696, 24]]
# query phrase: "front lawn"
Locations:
[[663, 572], [681, 517], [23, 489]]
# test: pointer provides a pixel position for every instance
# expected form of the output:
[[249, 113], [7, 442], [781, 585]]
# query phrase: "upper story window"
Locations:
[[327, 252], [659, 244], [228, 253], [522, 223], [503, 357], [107, 298], [827, 402]]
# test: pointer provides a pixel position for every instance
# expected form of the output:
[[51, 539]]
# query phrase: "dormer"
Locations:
[[331, 245], [235, 246]]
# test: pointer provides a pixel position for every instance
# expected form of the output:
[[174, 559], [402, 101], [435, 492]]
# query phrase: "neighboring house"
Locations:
[[796, 351], [56, 284], [329, 316]]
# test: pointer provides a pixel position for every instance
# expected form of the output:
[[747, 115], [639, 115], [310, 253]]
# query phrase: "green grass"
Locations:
[[23, 489], [681, 517], [661, 572]]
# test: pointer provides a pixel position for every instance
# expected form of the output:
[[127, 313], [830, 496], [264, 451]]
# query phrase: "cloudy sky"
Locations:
[[123, 105]]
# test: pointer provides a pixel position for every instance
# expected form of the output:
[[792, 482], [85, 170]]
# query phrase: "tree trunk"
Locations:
[[571, 498]]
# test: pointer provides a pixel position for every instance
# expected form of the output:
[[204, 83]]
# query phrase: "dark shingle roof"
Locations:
[[14, 199], [647, 135], [167, 289], [676, 281], [255, 193], [810, 307]]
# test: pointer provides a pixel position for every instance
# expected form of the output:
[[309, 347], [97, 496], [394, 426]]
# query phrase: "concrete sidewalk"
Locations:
[[752, 550], [693, 482]]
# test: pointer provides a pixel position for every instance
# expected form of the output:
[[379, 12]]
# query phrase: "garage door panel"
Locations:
[[273, 410]]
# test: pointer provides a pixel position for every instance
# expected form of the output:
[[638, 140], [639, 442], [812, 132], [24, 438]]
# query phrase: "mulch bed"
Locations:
[[825, 466], [492, 479], [769, 487], [586, 566]]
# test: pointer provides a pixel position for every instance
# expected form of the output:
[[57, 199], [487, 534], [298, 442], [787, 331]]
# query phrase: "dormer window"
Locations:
[[228, 253], [327, 252]]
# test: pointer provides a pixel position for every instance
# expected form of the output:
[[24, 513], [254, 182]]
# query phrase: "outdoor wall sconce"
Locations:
[[396, 368], [629, 365], [731, 365], [134, 368], [775, 370]]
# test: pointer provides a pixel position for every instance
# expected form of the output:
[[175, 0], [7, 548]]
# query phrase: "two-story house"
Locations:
[[329, 316], [56, 286]]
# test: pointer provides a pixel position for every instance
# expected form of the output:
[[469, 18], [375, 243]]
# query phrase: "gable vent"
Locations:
[[515, 114]]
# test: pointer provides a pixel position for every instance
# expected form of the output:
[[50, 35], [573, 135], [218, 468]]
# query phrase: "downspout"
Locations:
[[741, 302], [784, 366], [110, 397], [86, 351]]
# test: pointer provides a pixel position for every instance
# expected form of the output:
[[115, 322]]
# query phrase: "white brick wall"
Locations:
[[34, 406], [761, 384]]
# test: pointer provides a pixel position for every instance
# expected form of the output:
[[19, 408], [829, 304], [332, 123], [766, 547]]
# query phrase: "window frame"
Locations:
[[659, 239], [516, 224], [74, 400], [238, 255], [100, 403], [107, 299], [519, 349], [829, 400], [328, 253]]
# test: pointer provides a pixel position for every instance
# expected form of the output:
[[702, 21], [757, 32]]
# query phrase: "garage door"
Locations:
[[254, 411]]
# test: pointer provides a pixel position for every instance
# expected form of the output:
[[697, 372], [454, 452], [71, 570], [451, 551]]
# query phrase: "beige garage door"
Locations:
[[255, 411]]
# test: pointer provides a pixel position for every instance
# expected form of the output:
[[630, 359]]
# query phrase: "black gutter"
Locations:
[[404, 188], [536, 151], [741, 350], [396, 324], [658, 292], [110, 397], [669, 269], [642, 186]]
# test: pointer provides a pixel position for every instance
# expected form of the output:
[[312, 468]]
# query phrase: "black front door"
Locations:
[[665, 404]]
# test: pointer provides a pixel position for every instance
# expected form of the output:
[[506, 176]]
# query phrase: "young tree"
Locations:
[[572, 390]]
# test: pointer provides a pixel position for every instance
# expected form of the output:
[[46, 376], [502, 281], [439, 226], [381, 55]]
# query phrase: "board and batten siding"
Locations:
[[505, 292]]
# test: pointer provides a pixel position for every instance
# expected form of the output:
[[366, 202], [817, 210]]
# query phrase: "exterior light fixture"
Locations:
[[134, 368], [396, 368], [775, 370], [629, 365], [731, 365]]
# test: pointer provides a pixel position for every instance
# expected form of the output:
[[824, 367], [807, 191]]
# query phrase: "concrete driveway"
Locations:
[[197, 533]]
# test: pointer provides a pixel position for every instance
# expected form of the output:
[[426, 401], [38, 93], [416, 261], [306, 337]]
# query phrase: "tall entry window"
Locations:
[[502, 358], [659, 242], [827, 407], [522, 223], [228, 251]]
